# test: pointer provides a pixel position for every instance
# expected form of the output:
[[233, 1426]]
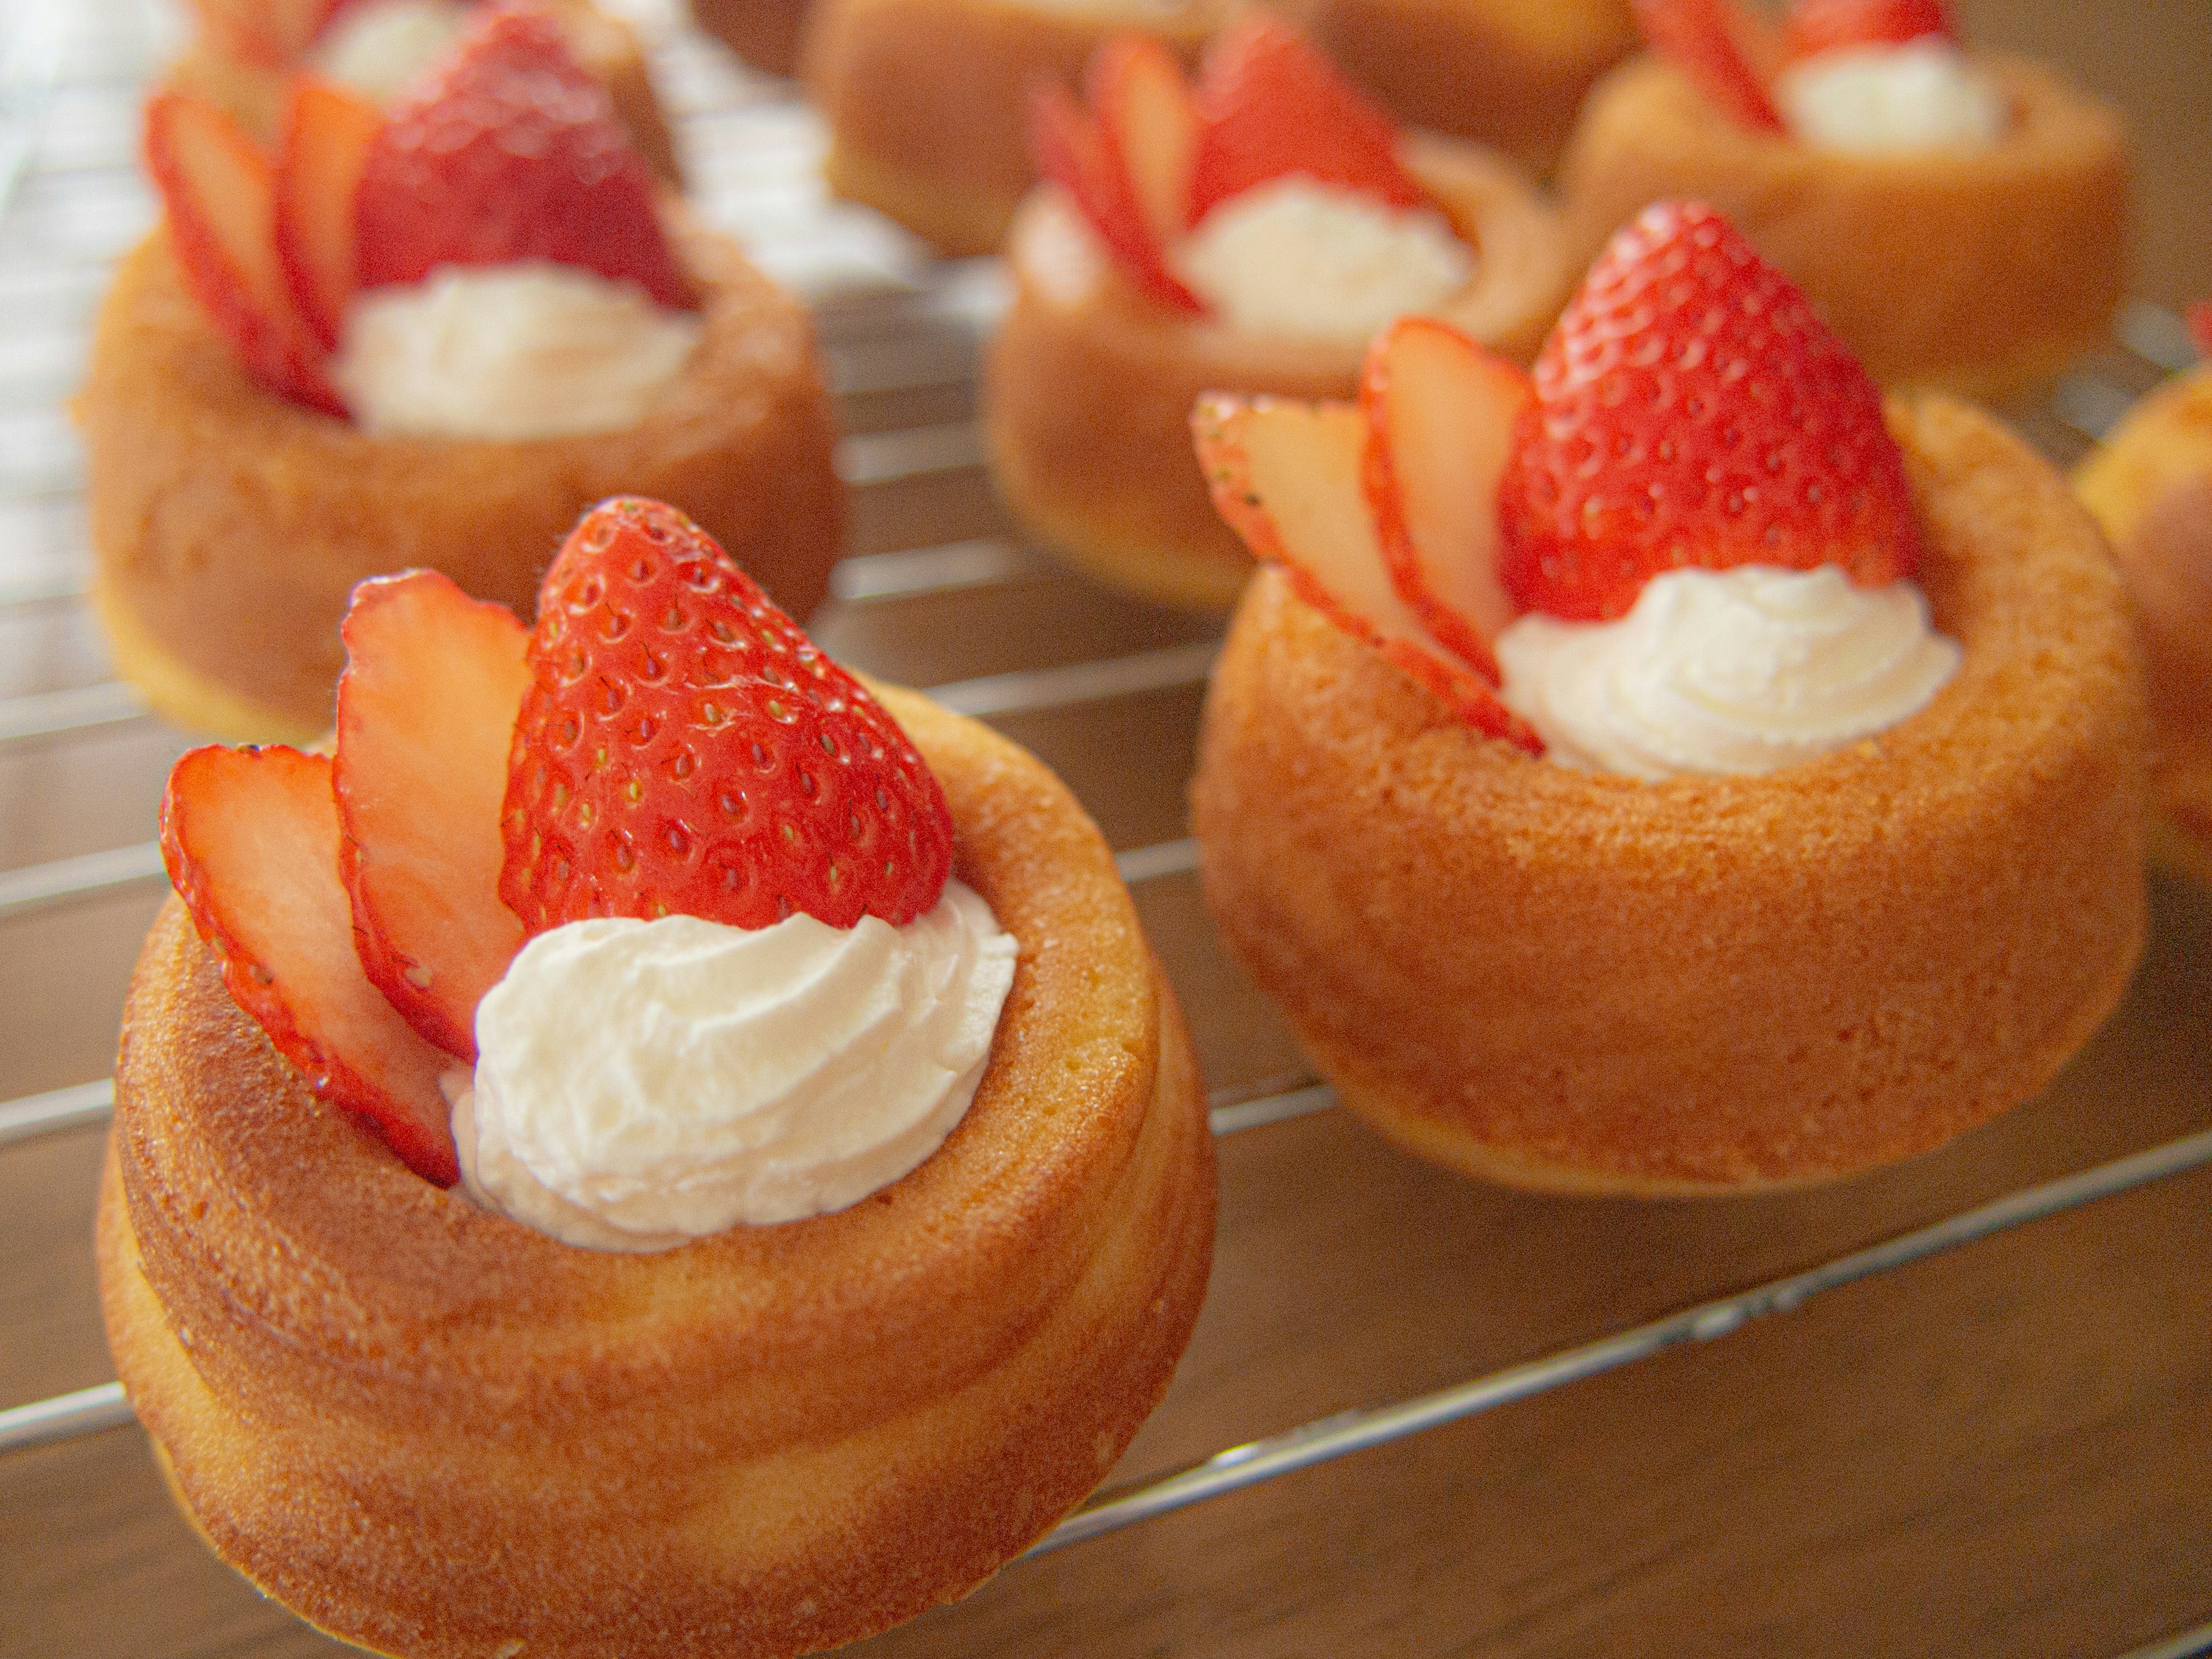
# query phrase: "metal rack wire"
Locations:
[[900, 335]]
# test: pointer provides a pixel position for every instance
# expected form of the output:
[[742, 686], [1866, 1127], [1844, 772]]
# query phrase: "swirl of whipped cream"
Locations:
[[1740, 670], [639, 1083], [507, 352], [380, 48], [1871, 99], [1320, 262]]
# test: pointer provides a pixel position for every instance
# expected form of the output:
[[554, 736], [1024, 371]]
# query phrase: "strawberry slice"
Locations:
[[1286, 476], [1818, 26], [1727, 53], [683, 748], [1071, 150], [2200, 328], [1441, 412], [1148, 126], [272, 34], [218, 188], [326, 137], [1692, 409], [509, 152], [426, 716], [251, 838], [1270, 105]]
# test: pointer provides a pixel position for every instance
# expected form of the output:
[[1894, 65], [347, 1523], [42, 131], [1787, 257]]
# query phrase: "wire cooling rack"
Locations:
[[938, 592]]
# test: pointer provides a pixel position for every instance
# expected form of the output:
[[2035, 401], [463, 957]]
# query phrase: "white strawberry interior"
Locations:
[[1311, 261], [1874, 100]]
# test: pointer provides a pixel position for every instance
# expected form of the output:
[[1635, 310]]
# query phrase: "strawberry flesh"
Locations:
[[1071, 150], [1818, 26], [220, 194], [328, 133], [269, 33], [511, 152], [426, 712], [1441, 416], [250, 837], [1727, 54], [1271, 106], [683, 748], [1692, 409], [1286, 476], [1148, 126]]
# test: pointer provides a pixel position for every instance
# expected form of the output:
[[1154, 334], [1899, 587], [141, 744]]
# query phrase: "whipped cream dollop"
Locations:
[[639, 1083], [1871, 99], [1740, 670], [1317, 261], [382, 47], [531, 349]]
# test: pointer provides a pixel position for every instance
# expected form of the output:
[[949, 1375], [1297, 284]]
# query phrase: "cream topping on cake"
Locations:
[[639, 1083], [1741, 671], [507, 352], [1292, 256], [1874, 100], [381, 47]]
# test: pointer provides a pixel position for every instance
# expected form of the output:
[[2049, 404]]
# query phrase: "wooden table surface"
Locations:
[[2003, 1449]]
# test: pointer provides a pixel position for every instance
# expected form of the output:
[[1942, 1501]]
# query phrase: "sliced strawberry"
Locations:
[[1270, 105], [1069, 149], [1692, 409], [684, 749], [1440, 413], [426, 717], [1286, 476], [1728, 54], [1818, 26], [510, 151], [216, 185], [251, 838], [269, 33], [2200, 327], [327, 135], [1148, 126]]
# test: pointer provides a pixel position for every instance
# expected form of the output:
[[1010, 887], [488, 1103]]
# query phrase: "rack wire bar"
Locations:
[[2189, 1644], [1356, 1430], [868, 459], [47, 714], [57, 1111], [65, 881], [64, 1417]]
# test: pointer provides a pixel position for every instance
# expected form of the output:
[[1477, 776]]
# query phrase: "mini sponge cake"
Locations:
[[432, 1432], [229, 525], [1590, 984]]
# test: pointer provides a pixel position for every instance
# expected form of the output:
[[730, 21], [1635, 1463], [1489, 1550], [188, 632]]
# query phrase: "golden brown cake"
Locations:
[[2150, 486], [229, 525], [927, 101], [1506, 73], [603, 44], [433, 1432], [1588, 983], [1977, 271], [1088, 385], [766, 33]]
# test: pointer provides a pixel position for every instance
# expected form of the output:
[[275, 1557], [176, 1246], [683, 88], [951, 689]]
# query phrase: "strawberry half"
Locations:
[[1728, 54], [1286, 476], [684, 749], [251, 838], [511, 152], [1270, 105], [1692, 409], [1070, 149], [426, 712], [327, 135], [1818, 26], [220, 194]]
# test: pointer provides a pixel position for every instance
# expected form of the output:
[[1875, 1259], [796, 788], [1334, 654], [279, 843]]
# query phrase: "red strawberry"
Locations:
[[1287, 477], [1149, 127], [426, 716], [1441, 418], [1818, 26], [270, 32], [218, 188], [328, 133], [251, 838], [683, 748], [1070, 149], [1270, 105], [1692, 409], [2200, 328], [511, 152], [1727, 53]]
